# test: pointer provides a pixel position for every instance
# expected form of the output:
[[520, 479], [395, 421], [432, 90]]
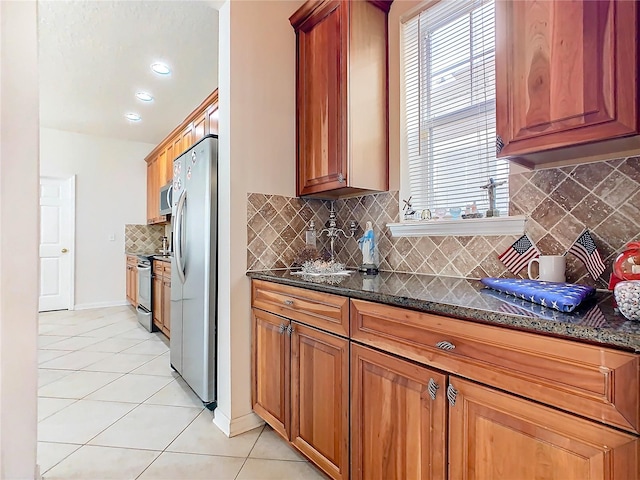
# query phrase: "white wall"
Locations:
[[18, 238], [110, 191], [257, 154]]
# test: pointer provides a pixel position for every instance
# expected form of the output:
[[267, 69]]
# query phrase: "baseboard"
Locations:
[[88, 306], [239, 425]]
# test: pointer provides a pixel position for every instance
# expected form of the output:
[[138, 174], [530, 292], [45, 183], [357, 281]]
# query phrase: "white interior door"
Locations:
[[57, 220]]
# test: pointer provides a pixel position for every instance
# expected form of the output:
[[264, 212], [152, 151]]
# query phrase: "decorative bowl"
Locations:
[[627, 296]]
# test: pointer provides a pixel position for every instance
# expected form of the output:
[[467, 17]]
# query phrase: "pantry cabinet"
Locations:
[[566, 79], [160, 160], [341, 97]]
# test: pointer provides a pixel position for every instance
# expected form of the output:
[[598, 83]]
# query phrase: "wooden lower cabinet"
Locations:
[[497, 435], [320, 398], [271, 377], [398, 430], [161, 296], [132, 280], [301, 388]]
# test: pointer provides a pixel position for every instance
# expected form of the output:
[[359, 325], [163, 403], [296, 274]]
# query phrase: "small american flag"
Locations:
[[586, 250], [517, 256]]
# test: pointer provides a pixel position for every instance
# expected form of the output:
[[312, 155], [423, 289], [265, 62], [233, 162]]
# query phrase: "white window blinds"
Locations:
[[449, 80]]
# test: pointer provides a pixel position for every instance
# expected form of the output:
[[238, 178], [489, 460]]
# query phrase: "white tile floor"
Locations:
[[110, 407]]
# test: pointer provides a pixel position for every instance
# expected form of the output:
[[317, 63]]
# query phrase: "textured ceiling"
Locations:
[[95, 55]]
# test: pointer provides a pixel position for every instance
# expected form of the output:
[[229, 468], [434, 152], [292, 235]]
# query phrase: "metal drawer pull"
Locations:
[[288, 302], [290, 330], [282, 328], [432, 388], [452, 393], [444, 345]]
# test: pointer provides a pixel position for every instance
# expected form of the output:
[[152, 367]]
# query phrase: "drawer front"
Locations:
[[166, 269], [132, 260], [597, 382], [158, 267], [322, 310]]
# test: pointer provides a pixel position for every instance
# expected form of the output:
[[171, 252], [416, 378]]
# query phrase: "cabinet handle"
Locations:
[[290, 330], [282, 328], [444, 345], [288, 302], [432, 388], [452, 393], [340, 178]]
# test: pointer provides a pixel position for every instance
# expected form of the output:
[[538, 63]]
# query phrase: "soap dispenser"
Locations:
[[369, 249]]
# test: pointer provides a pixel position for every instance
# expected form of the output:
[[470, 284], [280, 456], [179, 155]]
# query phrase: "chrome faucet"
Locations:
[[334, 232]]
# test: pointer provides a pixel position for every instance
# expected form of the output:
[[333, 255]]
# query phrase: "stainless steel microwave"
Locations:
[[165, 199]]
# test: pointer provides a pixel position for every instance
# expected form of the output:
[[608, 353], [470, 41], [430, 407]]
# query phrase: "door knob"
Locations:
[[64, 250]]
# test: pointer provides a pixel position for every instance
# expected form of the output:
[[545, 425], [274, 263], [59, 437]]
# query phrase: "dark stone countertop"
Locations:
[[594, 321], [162, 258]]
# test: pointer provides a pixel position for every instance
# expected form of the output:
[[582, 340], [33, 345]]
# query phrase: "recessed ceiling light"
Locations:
[[144, 96], [161, 68], [134, 117]]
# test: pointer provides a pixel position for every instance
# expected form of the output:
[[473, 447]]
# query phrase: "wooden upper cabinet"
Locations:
[[341, 96], [398, 429], [212, 119], [187, 138], [200, 127], [162, 170], [177, 147], [566, 76], [496, 435]]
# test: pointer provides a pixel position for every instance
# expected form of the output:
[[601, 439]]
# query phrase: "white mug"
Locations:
[[551, 268]]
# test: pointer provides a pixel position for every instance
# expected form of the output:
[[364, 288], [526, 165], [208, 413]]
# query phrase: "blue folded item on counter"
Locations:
[[564, 297]]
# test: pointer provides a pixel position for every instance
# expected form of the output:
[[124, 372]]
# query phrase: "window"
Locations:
[[449, 79]]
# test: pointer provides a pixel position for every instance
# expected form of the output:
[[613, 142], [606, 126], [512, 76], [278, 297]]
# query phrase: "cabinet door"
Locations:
[[199, 127], [150, 189], [565, 73], [162, 170], [320, 398], [157, 301], [397, 429], [177, 149], [134, 279], [166, 305], [168, 168], [187, 138], [497, 435], [271, 387], [212, 120], [129, 281], [321, 99]]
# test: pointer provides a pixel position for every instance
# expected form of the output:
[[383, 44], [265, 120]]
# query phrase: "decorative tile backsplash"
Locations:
[[143, 238], [559, 204]]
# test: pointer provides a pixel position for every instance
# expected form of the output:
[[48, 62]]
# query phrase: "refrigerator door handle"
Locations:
[[180, 235]]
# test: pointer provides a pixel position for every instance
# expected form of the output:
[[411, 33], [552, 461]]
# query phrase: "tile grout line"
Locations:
[[249, 454]]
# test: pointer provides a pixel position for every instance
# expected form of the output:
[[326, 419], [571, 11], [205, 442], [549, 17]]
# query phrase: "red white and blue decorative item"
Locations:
[[627, 294]]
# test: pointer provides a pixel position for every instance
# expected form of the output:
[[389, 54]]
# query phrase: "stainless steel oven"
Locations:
[[144, 292]]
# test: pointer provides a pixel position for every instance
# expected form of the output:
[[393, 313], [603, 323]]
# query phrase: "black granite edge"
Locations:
[[568, 331], [162, 258]]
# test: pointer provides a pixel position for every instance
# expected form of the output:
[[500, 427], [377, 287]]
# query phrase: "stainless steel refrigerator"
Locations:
[[194, 267]]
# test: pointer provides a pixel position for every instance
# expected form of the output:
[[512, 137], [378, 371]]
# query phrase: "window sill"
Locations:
[[469, 227]]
